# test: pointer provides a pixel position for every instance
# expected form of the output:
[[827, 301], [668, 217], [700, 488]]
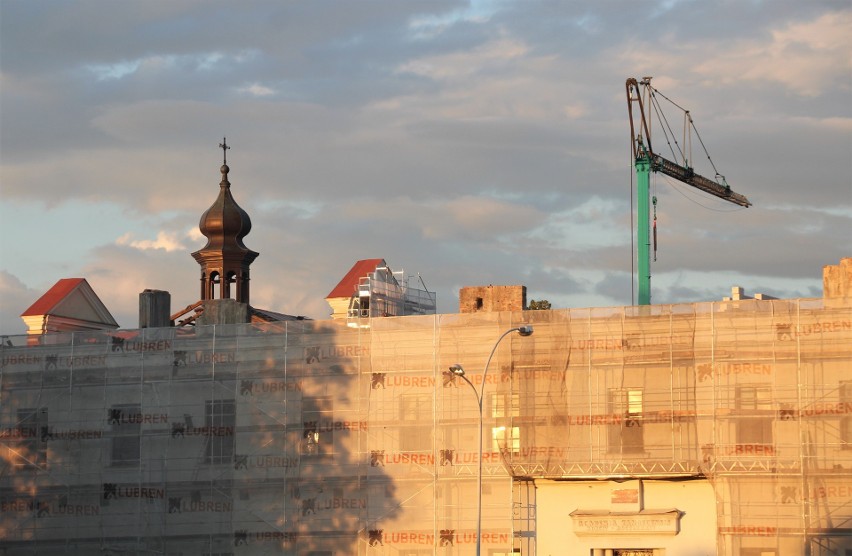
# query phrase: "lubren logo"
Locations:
[[788, 331], [118, 416], [251, 387], [242, 537], [121, 344], [179, 505], [53, 362], [113, 491], [375, 537], [707, 371], [264, 462], [446, 538], [315, 354]]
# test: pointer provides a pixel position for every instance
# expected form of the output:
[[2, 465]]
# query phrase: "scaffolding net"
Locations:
[[311, 437]]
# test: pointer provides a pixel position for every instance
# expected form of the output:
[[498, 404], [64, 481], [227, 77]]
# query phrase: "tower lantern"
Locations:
[[225, 260]]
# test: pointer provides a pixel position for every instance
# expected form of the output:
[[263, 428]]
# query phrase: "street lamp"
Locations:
[[458, 370]]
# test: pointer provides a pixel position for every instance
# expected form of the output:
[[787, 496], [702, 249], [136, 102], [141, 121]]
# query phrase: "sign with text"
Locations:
[[604, 523]]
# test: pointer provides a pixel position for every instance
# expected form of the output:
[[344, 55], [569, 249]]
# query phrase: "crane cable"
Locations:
[[666, 127], [661, 117]]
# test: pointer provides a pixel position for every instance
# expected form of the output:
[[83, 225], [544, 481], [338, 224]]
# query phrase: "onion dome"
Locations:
[[225, 223]]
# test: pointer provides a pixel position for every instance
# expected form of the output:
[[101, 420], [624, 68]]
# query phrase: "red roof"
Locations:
[[54, 295], [349, 284]]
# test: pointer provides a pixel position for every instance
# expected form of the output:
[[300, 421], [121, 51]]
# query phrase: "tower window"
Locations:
[[229, 292], [215, 286]]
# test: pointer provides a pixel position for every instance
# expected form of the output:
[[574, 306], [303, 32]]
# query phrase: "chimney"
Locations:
[[154, 309]]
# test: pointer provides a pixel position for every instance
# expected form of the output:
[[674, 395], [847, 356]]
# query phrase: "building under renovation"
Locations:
[[697, 429], [371, 289], [664, 430]]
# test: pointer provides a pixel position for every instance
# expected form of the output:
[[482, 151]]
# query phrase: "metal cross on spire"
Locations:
[[224, 146]]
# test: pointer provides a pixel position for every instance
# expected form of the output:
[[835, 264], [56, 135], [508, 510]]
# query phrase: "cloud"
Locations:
[[15, 298], [471, 143], [805, 57], [119, 273], [257, 90], [166, 241]]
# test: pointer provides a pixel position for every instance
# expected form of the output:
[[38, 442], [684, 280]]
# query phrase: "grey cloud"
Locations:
[[353, 154]]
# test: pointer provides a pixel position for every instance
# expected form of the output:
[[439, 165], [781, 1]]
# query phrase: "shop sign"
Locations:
[[604, 523]]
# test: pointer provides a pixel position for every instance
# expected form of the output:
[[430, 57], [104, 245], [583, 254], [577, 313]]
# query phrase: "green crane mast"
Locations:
[[642, 95]]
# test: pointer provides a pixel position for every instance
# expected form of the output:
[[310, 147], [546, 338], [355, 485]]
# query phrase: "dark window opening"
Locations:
[[755, 416], [317, 422], [126, 427], [220, 420]]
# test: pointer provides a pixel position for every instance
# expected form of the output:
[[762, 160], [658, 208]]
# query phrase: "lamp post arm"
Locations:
[[475, 393], [488, 361]]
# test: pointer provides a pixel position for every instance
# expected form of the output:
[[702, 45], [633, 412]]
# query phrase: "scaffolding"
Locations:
[[312, 437], [387, 293]]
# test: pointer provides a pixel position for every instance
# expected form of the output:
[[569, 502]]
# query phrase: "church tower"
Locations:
[[225, 260]]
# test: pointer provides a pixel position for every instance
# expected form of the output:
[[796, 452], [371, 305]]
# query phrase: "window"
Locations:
[[754, 421], [220, 420], [505, 405], [126, 426], [230, 293], [506, 439], [317, 420], [846, 420], [626, 435], [214, 285], [416, 416], [32, 431]]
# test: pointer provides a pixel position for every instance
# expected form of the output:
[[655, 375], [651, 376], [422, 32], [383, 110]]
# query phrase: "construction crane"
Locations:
[[646, 160]]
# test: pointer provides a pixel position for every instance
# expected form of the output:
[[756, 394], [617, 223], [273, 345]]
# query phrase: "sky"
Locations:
[[467, 142]]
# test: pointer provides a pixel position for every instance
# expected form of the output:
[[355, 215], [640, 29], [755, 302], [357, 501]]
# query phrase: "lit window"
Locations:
[[626, 434], [506, 439]]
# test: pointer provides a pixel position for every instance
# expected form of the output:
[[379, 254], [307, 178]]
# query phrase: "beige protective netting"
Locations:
[[315, 436]]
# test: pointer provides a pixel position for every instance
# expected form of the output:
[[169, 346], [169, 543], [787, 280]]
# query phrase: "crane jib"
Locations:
[[688, 176]]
